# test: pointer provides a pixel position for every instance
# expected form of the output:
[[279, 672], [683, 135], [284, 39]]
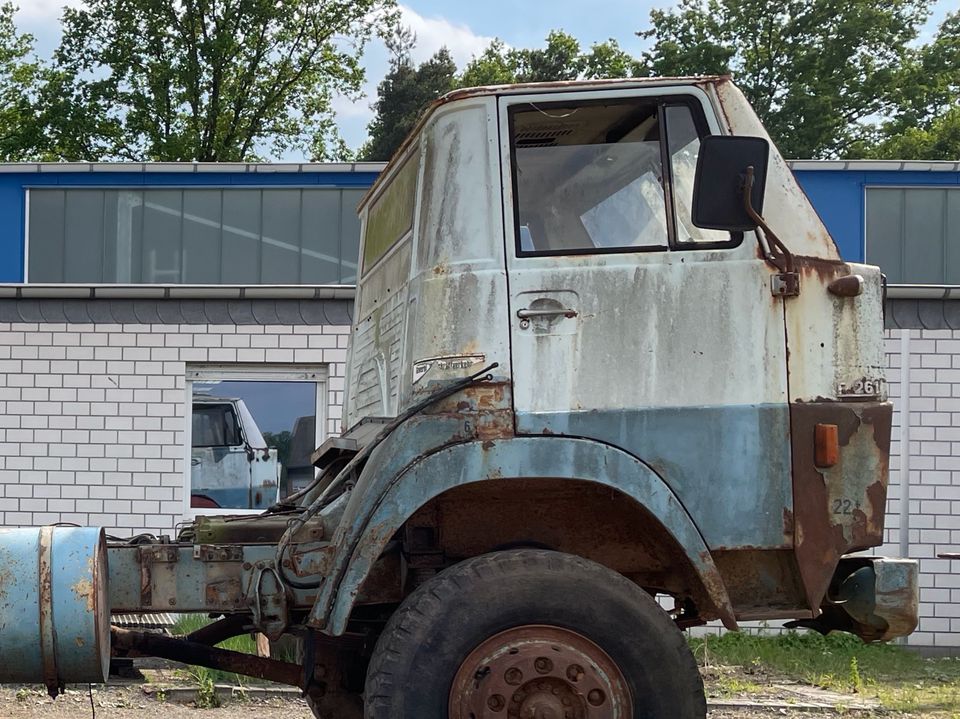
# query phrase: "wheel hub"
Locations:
[[539, 672]]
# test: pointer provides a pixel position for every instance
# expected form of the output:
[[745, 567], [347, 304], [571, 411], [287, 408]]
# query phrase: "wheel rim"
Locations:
[[539, 672]]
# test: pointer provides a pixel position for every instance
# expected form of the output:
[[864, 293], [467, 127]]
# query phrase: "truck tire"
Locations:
[[525, 633]]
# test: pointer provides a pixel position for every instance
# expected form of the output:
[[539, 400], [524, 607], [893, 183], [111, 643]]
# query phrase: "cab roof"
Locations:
[[524, 89]]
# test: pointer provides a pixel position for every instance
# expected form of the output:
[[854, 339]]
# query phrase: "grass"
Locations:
[[901, 680], [204, 677]]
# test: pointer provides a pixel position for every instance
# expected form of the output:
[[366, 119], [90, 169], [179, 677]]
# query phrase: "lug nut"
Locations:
[[574, 672], [596, 697], [543, 665], [513, 676], [496, 703]]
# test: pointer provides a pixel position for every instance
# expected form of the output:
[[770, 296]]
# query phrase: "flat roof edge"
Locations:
[[191, 167], [176, 292], [876, 165]]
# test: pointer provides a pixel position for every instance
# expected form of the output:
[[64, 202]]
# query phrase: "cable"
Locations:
[[320, 502]]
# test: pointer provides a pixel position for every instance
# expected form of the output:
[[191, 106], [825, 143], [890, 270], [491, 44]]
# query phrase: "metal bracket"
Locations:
[[268, 601], [785, 284], [218, 553], [154, 554]]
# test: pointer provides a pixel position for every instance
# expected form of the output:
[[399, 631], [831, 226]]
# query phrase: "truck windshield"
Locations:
[[215, 425]]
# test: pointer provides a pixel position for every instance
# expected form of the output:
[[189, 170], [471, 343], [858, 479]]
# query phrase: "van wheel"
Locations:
[[532, 633]]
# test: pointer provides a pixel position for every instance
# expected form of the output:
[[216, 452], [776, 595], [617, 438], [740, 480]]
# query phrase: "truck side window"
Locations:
[[588, 177], [683, 141]]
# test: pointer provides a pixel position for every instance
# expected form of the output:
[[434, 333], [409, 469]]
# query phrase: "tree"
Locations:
[[206, 80], [404, 93], [926, 123], [561, 59], [816, 71], [20, 71]]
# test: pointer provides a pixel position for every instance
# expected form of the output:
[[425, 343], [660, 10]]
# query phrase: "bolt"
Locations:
[[574, 672], [513, 676], [543, 665], [247, 566], [566, 701], [286, 563], [496, 703], [596, 697], [173, 602]]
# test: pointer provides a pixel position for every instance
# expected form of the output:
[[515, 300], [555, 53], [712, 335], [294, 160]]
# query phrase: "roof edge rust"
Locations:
[[467, 93]]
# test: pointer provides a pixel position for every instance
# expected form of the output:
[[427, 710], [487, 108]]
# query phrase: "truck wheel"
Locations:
[[532, 633]]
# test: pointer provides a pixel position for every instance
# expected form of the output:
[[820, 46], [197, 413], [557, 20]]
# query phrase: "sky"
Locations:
[[465, 27]]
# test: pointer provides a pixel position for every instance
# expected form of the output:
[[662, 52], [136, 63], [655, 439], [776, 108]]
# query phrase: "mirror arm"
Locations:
[[783, 261]]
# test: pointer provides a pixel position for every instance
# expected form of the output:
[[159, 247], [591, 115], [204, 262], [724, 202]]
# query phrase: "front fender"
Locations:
[[361, 542]]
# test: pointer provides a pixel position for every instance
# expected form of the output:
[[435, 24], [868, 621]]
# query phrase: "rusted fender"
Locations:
[[361, 542]]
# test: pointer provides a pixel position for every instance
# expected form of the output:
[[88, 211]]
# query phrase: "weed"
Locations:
[[207, 697], [161, 695], [856, 680]]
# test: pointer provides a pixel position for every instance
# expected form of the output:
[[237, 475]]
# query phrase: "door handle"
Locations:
[[528, 313]]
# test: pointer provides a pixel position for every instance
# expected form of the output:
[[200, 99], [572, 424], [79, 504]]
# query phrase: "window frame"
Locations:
[[316, 373], [520, 103]]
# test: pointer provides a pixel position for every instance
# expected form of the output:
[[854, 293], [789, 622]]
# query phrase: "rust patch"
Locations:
[[86, 592], [838, 509], [788, 525], [824, 270]]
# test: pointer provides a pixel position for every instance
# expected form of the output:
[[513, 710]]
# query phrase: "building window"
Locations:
[[251, 432], [913, 234], [193, 236]]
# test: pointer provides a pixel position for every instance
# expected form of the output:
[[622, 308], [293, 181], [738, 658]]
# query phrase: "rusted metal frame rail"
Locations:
[[135, 643]]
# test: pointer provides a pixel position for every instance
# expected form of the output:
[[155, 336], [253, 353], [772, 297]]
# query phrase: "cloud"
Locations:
[[436, 32], [38, 10]]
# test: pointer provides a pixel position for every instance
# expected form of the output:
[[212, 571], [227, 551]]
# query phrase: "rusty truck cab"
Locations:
[[550, 229]]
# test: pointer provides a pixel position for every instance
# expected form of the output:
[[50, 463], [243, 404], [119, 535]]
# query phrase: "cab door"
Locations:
[[633, 327]]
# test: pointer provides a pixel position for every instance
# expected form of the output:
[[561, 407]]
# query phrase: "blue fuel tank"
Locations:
[[54, 606]]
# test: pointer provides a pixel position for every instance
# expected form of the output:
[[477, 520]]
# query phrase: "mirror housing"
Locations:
[[718, 185]]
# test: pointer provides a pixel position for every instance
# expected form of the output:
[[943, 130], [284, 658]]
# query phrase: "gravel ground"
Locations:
[[130, 702]]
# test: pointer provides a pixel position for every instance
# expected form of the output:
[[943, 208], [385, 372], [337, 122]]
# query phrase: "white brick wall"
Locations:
[[92, 416], [934, 489]]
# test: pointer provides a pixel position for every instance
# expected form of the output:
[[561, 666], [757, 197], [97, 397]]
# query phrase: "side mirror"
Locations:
[[718, 202]]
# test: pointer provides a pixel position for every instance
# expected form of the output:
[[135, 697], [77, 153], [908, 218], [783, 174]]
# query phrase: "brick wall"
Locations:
[[934, 488], [92, 415]]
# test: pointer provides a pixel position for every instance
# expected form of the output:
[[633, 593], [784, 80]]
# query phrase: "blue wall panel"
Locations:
[[838, 197], [14, 184]]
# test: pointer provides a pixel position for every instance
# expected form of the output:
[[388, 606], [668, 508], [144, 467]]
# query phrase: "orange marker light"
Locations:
[[826, 445]]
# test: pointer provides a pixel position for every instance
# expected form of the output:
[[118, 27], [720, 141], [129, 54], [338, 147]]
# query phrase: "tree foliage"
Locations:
[[20, 77], [404, 93], [816, 71], [926, 121], [206, 80], [562, 58]]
